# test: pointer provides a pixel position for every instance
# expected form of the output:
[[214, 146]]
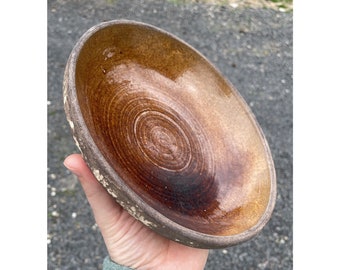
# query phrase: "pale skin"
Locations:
[[128, 241]]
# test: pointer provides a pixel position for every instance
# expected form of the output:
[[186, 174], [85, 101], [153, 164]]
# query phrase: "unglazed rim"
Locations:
[[127, 198]]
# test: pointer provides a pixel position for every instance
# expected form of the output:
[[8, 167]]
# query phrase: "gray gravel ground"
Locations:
[[251, 47]]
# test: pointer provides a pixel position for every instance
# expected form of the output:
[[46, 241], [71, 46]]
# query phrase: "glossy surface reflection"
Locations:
[[174, 130]]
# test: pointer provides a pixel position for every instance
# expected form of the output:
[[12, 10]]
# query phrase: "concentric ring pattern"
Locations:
[[152, 138], [173, 130]]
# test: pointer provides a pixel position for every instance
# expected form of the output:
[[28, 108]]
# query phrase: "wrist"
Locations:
[[108, 264]]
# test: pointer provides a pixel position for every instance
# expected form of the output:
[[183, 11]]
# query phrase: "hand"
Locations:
[[127, 240]]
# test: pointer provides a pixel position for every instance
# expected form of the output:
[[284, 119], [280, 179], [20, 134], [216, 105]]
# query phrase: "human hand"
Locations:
[[127, 240]]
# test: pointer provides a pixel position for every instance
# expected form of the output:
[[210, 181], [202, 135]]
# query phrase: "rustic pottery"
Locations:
[[168, 136]]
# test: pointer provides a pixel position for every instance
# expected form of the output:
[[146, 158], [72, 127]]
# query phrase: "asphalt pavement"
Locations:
[[252, 47]]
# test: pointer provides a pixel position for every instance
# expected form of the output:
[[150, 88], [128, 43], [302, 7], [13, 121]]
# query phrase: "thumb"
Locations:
[[105, 208]]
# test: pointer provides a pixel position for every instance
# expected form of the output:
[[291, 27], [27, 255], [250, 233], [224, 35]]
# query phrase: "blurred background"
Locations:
[[250, 42]]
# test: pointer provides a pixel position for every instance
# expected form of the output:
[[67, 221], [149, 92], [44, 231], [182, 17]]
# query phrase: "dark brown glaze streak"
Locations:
[[179, 136]]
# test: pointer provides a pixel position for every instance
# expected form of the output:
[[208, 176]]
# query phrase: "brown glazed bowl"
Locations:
[[168, 136]]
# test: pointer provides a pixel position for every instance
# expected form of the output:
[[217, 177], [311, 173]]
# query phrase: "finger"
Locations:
[[104, 207]]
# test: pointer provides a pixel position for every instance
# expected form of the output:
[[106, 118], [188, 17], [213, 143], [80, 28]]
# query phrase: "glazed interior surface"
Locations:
[[173, 129]]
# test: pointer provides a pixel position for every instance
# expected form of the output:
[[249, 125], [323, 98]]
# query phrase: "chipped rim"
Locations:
[[127, 198]]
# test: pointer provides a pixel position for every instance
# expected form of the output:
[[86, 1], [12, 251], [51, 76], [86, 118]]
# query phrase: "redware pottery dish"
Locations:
[[167, 136]]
